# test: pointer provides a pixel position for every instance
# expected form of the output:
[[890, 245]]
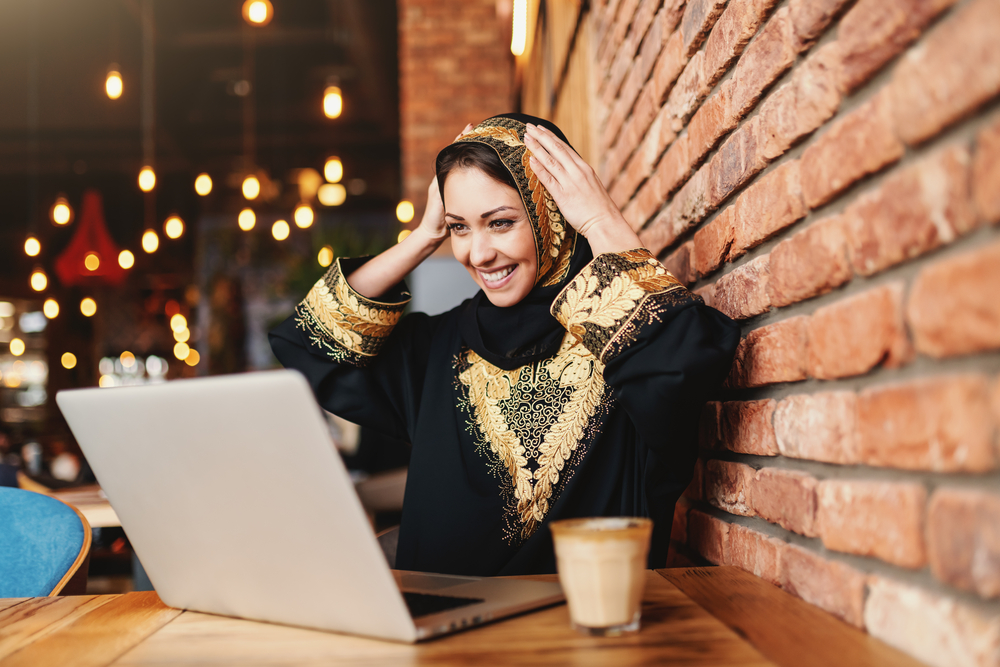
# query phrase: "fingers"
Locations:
[[557, 156]]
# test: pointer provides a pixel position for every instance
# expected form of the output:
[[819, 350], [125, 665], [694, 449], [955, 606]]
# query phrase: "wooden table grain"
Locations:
[[690, 623]]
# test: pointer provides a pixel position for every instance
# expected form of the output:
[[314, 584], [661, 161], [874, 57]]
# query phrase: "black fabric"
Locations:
[[526, 332]]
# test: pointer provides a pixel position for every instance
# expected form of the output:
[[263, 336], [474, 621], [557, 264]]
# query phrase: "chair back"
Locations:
[[43, 544]]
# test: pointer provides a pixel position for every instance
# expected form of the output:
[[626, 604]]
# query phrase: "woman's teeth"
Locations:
[[497, 276]]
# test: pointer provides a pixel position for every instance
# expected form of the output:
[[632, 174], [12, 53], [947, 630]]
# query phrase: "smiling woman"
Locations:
[[570, 385]]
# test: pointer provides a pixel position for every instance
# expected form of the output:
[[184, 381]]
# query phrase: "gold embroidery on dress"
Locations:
[[533, 419]]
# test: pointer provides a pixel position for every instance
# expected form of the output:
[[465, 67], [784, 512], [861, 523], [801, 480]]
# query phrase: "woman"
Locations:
[[568, 386]]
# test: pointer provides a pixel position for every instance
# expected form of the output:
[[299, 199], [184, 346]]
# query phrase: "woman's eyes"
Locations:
[[499, 224], [456, 227]]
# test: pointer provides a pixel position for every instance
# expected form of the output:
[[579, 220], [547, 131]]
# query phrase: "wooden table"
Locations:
[[691, 616]]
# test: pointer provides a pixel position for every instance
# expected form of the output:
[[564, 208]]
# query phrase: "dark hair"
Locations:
[[470, 154]]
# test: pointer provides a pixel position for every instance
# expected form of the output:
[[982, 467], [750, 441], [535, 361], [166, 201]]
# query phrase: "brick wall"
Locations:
[[827, 172], [455, 67]]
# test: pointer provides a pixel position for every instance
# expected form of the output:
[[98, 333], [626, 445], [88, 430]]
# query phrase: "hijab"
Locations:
[[516, 335]]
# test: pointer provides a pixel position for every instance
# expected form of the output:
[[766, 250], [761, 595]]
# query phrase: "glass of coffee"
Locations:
[[602, 569]]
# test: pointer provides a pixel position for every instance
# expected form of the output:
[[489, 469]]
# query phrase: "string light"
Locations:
[[519, 35], [51, 308], [92, 261], [61, 212], [303, 216], [147, 179], [404, 211], [173, 227], [331, 194], [39, 281], [251, 187], [325, 256], [178, 322], [113, 85], [181, 351], [280, 230], [247, 219], [16, 347], [68, 360], [258, 13], [88, 307], [203, 184], [333, 169], [32, 246], [333, 102], [126, 259], [150, 241]]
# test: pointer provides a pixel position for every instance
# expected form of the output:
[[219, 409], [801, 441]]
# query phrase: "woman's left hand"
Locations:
[[578, 192]]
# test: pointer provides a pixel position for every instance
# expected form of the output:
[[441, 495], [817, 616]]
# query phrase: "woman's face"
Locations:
[[490, 235]]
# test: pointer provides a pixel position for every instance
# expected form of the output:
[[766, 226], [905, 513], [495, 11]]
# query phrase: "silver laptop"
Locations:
[[237, 503]]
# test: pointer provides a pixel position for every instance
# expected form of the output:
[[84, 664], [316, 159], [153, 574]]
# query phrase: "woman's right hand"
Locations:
[[432, 225]]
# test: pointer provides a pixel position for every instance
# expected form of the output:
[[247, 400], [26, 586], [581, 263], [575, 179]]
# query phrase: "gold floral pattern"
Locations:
[[343, 324], [604, 304], [535, 424], [554, 239]]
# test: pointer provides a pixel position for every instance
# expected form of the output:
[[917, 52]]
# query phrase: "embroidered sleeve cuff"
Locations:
[[344, 325], [609, 302]]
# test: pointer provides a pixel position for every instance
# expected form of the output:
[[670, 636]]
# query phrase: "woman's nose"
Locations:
[[482, 251]]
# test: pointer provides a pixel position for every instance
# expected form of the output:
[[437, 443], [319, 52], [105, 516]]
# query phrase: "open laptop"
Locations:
[[237, 503]]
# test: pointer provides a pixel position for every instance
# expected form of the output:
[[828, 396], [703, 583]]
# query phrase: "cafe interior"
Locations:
[[176, 176]]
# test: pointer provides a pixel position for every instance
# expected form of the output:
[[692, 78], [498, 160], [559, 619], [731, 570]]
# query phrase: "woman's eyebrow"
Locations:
[[496, 210], [452, 215]]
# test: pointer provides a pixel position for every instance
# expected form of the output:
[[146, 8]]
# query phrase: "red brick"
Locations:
[[811, 17], [809, 263], [833, 586], [767, 57], [860, 143], [707, 293], [686, 94], [880, 519], [745, 427], [727, 486], [820, 427], [735, 163], [771, 354], [995, 402], [803, 104], [936, 629], [675, 167], [699, 17], [986, 173], [963, 539], [954, 306], [679, 264], [690, 204], [616, 60], [772, 203], [941, 424], [730, 35], [712, 120], [708, 536], [874, 31], [668, 66], [914, 211], [755, 553], [709, 432], [616, 33], [711, 242], [954, 71], [858, 333], [787, 498], [658, 234], [742, 293], [695, 488]]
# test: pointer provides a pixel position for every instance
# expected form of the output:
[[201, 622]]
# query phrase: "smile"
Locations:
[[499, 278]]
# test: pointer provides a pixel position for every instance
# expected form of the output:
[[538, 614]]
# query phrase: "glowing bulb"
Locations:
[[402, 235], [303, 216], [178, 322], [203, 184], [333, 102], [325, 256], [258, 13], [88, 307], [181, 351], [106, 381], [192, 358], [126, 259], [331, 194], [147, 179], [404, 211], [251, 187], [68, 360], [520, 31], [39, 281], [92, 261], [182, 336], [247, 219], [279, 230], [17, 347], [61, 212], [32, 246], [150, 241], [50, 308], [128, 359], [113, 85], [333, 170], [173, 227]]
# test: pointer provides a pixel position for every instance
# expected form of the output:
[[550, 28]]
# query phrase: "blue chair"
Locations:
[[44, 546]]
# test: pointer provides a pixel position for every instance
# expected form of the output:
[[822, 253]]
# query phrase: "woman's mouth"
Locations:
[[499, 278]]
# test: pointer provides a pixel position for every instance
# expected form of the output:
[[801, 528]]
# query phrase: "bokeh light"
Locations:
[[32, 246], [404, 211], [331, 194], [150, 241], [247, 219], [114, 85], [182, 336], [192, 358], [88, 307], [402, 235], [178, 322], [333, 102], [39, 281], [61, 212], [92, 261], [325, 256], [280, 230], [16, 347], [68, 360], [303, 216], [203, 184], [127, 359], [333, 170], [258, 13], [173, 227], [181, 351], [147, 179], [50, 308], [251, 187], [126, 259]]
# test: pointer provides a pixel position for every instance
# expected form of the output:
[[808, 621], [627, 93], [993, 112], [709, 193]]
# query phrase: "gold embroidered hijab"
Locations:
[[525, 332]]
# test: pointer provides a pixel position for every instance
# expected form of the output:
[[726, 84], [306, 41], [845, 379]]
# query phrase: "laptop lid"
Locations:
[[237, 503]]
